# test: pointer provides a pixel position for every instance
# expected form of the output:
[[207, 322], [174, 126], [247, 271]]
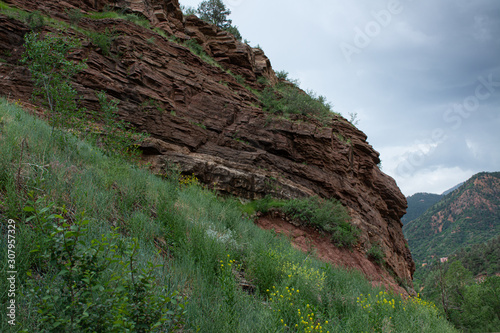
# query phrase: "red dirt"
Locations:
[[307, 239]]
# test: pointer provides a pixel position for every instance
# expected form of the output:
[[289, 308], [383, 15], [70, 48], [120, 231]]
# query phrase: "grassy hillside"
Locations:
[[467, 216], [103, 245], [418, 204]]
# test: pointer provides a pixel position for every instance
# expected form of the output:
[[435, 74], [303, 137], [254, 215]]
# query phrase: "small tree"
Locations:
[[52, 73], [216, 13]]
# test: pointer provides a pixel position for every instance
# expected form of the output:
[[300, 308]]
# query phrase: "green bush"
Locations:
[[107, 14], [196, 48], [287, 99], [35, 21], [52, 73], [75, 15], [96, 286], [282, 75], [328, 215], [104, 41], [376, 254]]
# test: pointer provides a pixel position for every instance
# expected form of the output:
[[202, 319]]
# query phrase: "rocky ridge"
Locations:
[[202, 118], [467, 216]]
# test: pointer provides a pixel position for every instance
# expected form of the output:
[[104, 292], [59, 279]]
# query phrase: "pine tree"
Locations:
[[215, 12]]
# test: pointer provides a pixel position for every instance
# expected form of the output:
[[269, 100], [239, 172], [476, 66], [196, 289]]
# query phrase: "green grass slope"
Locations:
[[182, 258], [467, 216]]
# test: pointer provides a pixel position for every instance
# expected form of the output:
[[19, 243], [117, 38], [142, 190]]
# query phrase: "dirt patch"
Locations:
[[307, 239]]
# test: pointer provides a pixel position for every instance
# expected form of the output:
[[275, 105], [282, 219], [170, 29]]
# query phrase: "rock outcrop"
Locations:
[[202, 118]]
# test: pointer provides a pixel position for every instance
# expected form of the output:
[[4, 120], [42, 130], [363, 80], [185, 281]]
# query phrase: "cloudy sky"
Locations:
[[422, 76]]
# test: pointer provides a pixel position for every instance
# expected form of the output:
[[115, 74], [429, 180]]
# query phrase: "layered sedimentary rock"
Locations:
[[200, 117]]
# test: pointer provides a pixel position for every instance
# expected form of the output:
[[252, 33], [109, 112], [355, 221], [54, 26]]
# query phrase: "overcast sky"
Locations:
[[423, 76]]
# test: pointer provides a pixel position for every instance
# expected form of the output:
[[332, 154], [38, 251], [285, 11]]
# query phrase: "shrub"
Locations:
[[282, 75], [140, 21], [328, 215], [288, 99], [35, 21], [97, 286], [52, 73], [101, 40], [197, 49], [75, 15], [262, 80], [292, 313], [134, 18], [375, 253]]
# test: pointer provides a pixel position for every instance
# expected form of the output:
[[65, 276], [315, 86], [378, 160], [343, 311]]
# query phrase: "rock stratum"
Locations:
[[206, 121]]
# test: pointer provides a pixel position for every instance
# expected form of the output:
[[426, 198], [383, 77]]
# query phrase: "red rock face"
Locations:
[[201, 118]]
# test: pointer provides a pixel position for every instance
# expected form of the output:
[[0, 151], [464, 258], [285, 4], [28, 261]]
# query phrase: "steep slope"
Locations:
[[210, 122], [418, 204], [469, 215], [184, 260]]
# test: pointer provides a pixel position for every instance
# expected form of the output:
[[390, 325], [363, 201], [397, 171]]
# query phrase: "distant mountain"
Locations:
[[466, 216], [452, 189], [418, 204]]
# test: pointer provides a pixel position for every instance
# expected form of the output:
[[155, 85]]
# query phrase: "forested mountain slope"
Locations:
[[469, 215]]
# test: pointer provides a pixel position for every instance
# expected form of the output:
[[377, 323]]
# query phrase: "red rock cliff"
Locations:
[[201, 118]]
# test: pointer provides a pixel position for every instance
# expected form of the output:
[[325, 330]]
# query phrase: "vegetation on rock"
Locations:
[[215, 12], [52, 73], [287, 99], [327, 215], [181, 252]]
